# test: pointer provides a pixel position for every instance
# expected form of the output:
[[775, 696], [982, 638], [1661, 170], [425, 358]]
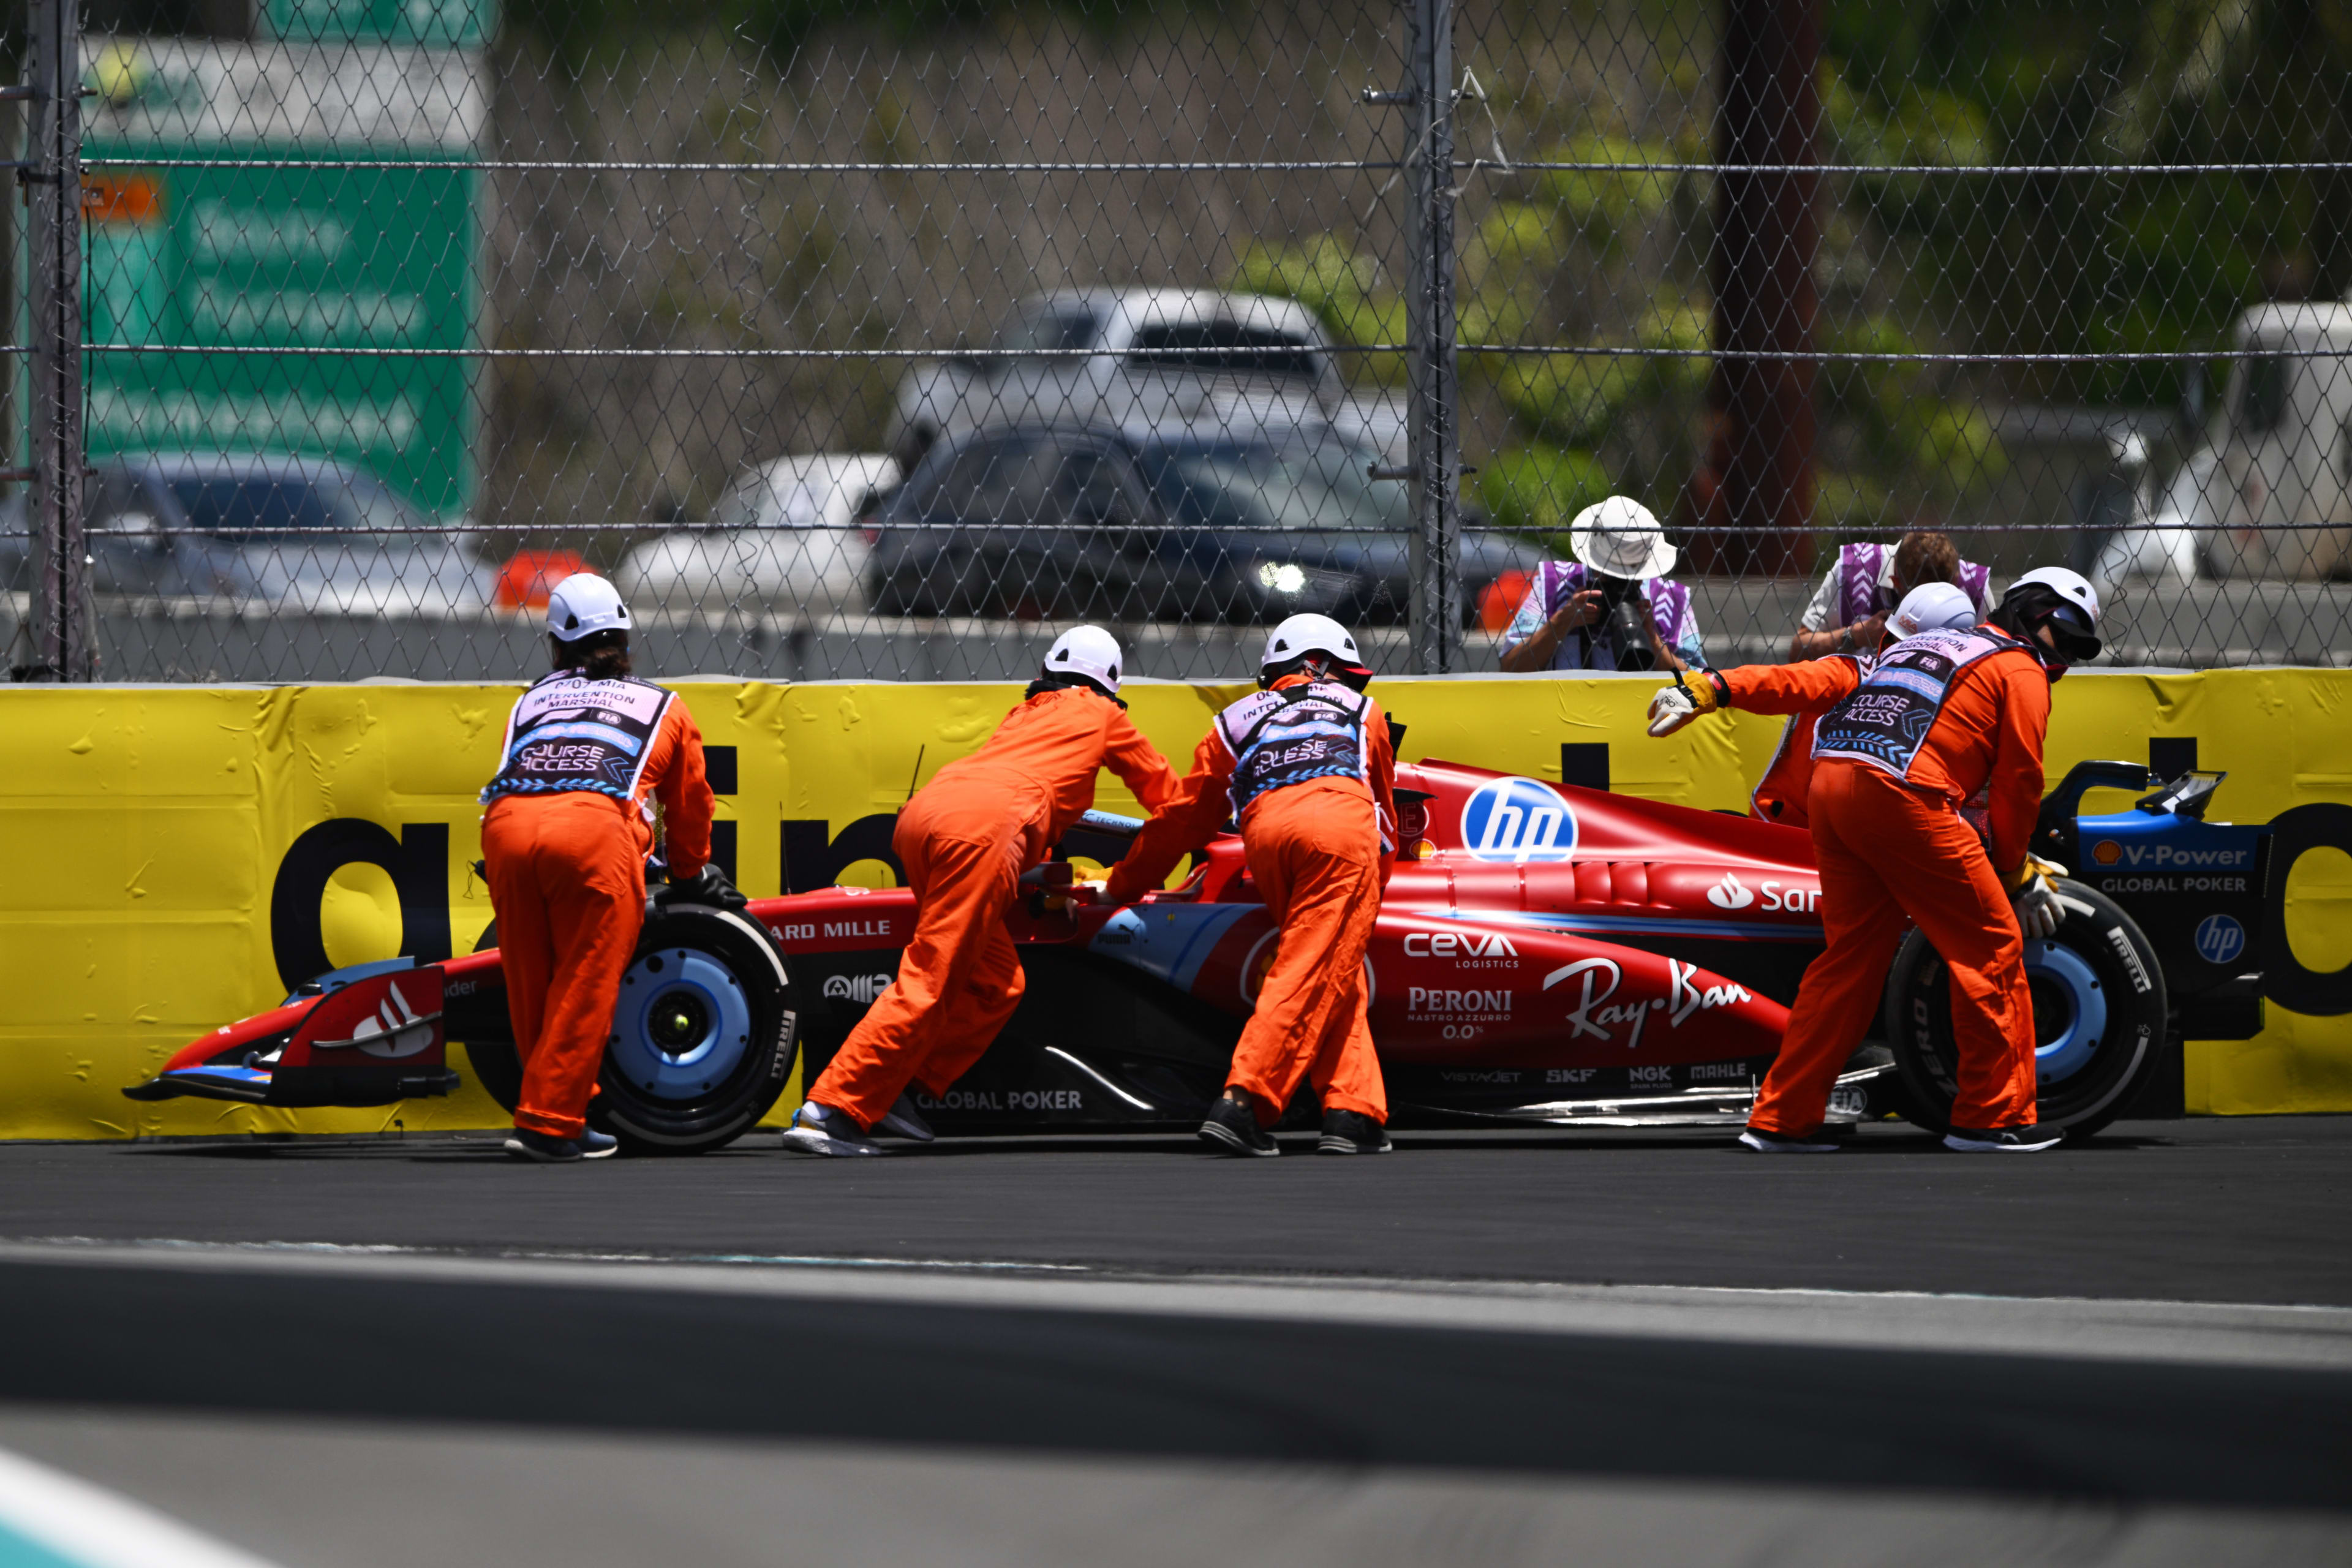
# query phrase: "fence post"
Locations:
[[1755, 504], [61, 643], [1433, 401]]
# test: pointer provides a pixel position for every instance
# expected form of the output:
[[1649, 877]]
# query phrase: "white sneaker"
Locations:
[[1765, 1142], [2003, 1140], [822, 1130]]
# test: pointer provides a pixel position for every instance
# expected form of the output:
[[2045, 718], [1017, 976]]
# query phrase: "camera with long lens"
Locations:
[[1624, 628]]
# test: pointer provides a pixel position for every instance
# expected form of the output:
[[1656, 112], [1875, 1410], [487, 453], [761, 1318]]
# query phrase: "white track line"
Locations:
[[2191, 1333], [87, 1524]]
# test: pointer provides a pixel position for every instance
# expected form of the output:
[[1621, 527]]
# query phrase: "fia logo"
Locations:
[[2220, 938], [1518, 820], [1731, 893]]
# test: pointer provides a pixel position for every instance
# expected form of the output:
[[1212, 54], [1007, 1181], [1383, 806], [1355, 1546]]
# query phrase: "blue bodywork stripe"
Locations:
[[1168, 941]]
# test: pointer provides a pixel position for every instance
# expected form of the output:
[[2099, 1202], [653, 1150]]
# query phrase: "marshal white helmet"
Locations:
[[1303, 635], [2070, 586], [1089, 651], [583, 604], [2065, 603], [1933, 607]]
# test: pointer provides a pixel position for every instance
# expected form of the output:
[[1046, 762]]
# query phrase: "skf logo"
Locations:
[[861, 989], [2106, 851], [1518, 820], [1731, 893]]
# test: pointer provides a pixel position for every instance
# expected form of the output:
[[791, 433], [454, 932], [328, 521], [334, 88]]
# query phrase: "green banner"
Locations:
[[443, 24], [308, 309], [257, 260]]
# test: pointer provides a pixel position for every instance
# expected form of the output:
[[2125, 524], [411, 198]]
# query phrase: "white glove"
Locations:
[[1670, 710], [2039, 912]]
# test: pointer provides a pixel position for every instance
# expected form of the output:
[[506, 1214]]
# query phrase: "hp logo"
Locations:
[[2220, 938], [1518, 820]]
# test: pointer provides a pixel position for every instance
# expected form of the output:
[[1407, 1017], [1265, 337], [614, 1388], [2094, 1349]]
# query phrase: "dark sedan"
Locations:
[[275, 532], [1052, 524]]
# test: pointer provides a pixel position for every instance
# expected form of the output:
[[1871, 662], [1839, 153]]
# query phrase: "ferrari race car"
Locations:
[[1546, 954]]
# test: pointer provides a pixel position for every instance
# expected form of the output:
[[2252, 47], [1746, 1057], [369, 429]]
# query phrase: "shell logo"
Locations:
[[2106, 851]]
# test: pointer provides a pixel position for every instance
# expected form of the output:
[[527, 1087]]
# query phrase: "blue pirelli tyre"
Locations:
[[703, 1037], [703, 1033], [2099, 1018]]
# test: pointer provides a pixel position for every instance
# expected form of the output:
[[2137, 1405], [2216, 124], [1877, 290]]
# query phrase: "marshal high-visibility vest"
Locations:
[[568, 733]]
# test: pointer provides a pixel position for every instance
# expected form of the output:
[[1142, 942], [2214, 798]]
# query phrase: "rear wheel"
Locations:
[[2098, 1018]]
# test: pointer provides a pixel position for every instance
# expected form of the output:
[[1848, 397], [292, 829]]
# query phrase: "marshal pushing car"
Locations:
[[1546, 954]]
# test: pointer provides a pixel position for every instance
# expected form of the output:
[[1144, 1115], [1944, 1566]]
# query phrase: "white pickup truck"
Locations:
[[2268, 494], [1146, 359]]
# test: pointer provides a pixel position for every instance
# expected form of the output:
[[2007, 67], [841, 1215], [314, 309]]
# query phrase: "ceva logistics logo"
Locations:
[[1518, 820]]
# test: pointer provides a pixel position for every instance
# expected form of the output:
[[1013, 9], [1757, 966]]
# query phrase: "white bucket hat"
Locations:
[[1618, 537]]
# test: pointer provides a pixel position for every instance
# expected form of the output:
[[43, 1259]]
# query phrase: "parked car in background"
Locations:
[[786, 536], [2269, 494], [1234, 365], [1054, 523], [268, 533]]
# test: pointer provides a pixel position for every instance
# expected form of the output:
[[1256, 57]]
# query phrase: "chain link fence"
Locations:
[[881, 342]]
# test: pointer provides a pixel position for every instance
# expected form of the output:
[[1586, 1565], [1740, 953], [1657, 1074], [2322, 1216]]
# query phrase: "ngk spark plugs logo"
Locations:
[[1518, 820]]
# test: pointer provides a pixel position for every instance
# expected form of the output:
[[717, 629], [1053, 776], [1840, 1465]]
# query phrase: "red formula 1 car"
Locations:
[[1546, 954]]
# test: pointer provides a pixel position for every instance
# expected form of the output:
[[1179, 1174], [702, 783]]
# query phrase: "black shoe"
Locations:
[[1232, 1129], [1352, 1132], [524, 1143], [902, 1121], [2026, 1140], [820, 1129], [1763, 1143]]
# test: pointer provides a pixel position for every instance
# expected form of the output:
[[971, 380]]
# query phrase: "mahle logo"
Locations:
[[1518, 820]]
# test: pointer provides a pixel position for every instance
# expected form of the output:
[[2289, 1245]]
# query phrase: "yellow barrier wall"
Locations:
[[147, 828]]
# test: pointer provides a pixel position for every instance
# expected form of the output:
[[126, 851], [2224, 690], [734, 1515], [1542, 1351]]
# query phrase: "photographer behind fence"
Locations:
[[1613, 607], [1847, 613]]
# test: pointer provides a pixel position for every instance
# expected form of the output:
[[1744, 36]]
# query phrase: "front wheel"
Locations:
[[2099, 1013], [702, 1036]]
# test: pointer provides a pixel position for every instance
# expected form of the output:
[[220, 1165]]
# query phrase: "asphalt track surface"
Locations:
[[1485, 1348]]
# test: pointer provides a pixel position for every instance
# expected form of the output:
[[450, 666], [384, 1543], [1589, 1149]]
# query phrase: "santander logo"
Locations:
[[1731, 893]]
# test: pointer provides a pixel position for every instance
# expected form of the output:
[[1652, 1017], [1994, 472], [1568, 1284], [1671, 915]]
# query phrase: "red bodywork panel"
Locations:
[[1527, 925]]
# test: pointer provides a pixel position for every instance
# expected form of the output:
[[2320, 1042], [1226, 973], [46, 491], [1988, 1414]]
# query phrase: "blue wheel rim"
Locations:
[[2064, 975], [692, 1068]]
